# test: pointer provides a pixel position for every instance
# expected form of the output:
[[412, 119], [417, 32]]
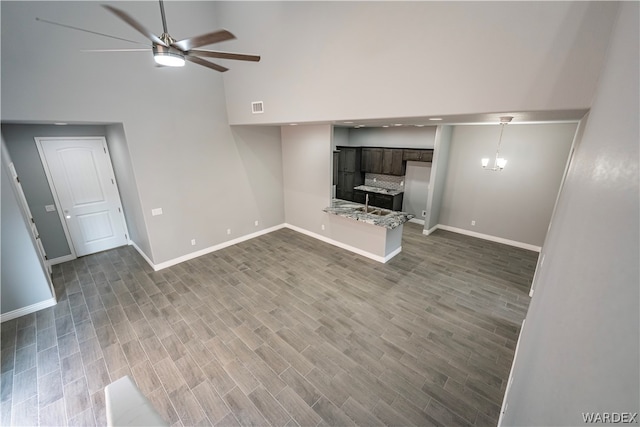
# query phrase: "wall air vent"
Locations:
[[257, 107]]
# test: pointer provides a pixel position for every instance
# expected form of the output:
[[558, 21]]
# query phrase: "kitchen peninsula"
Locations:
[[375, 230]]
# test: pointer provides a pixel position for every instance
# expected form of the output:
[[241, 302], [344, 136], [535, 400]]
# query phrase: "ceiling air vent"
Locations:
[[257, 107]]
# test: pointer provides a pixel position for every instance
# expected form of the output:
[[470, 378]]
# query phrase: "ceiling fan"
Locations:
[[168, 51]]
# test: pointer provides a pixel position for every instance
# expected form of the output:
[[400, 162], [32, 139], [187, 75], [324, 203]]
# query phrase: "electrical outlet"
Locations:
[[401, 183], [228, 231], [375, 179], [157, 211], [473, 222], [322, 226], [193, 242], [424, 214], [255, 223]]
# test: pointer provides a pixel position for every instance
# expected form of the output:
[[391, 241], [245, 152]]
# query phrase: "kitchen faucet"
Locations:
[[366, 203]]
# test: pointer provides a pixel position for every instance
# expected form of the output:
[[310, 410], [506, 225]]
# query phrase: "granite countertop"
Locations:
[[378, 190], [352, 210]]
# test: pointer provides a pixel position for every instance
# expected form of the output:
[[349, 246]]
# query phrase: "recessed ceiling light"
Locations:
[[419, 126], [348, 123], [60, 124], [293, 124], [397, 124], [385, 126], [435, 118]]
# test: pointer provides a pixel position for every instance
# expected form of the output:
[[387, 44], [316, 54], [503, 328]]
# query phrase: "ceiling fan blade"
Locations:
[[114, 50], [203, 40], [223, 55], [207, 64], [88, 31], [135, 24]]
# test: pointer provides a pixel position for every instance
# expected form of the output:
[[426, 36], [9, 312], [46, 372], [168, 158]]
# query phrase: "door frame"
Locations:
[[33, 229], [56, 200]]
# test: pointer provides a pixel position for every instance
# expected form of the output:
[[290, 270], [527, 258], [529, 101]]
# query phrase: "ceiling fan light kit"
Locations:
[[166, 50], [168, 56]]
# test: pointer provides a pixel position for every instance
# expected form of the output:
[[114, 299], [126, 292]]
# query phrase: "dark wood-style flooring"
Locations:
[[279, 330]]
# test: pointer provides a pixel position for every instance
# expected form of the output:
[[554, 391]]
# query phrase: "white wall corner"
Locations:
[[61, 259], [431, 230], [417, 221], [27, 310], [143, 255]]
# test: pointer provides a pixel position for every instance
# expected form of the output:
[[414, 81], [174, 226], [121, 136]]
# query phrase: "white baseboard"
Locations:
[[510, 380], [205, 251], [61, 259], [392, 254], [28, 310], [192, 255], [431, 230], [142, 254], [345, 246], [489, 237], [417, 221]]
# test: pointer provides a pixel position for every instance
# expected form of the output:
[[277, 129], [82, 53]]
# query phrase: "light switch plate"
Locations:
[[50, 208]]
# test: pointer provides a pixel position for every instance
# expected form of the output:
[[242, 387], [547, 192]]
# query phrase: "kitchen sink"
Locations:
[[383, 212], [374, 211], [369, 210]]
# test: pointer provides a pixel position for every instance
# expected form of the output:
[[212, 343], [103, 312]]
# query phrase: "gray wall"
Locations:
[[127, 186], [187, 160], [306, 165], [340, 137], [358, 60], [579, 349], [24, 152], [416, 188], [439, 168], [515, 203], [23, 281]]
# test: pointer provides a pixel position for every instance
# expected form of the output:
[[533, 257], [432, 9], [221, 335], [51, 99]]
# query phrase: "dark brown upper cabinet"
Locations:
[[372, 160], [387, 161], [392, 163], [417, 155]]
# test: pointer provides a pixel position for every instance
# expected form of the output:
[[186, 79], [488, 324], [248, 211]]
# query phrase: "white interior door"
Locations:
[[82, 181]]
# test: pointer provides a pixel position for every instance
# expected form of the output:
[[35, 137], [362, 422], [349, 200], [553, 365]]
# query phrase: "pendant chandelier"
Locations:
[[499, 162]]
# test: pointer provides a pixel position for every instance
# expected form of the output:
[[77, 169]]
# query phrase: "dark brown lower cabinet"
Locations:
[[348, 173], [346, 182]]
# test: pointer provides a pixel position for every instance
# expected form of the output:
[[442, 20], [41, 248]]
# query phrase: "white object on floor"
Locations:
[[127, 406]]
